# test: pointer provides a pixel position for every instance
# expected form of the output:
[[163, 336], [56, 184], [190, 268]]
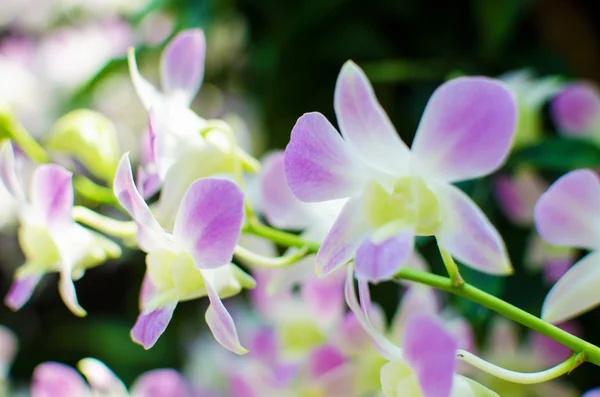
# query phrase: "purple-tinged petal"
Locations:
[[344, 238], [147, 153], [504, 339], [281, 208], [361, 310], [517, 195], [555, 268], [549, 351], [147, 93], [102, 380], [467, 234], [151, 325], [416, 299], [182, 66], [324, 359], [241, 387], [150, 234], [377, 261], [148, 182], [431, 353], [264, 346], [569, 212], [147, 291], [318, 164], [466, 129], [21, 290], [325, 297], [576, 109], [220, 322], [52, 379], [8, 173], [576, 292], [8, 349], [68, 294], [365, 125], [209, 221], [161, 383], [351, 338], [52, 194], [592, 393]]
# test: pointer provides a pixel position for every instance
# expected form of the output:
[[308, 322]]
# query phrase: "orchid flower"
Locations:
[[568, 215], [8, 350], [48, 235], [51, 379], [192, 261], [517, 196], [425, 364], [531, 94], [395, 194], [592, 393], [576, 110]]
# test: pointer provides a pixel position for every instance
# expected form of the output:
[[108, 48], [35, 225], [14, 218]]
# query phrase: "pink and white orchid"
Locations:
[[51, 379], [190, 261], [48, 235], [425, 364], [396, 193], [568, 214], [576, 110]]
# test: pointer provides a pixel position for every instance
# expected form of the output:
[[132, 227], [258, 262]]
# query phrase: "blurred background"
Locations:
[[268, 62]]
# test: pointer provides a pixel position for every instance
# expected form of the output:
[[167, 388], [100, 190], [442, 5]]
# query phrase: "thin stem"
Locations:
[[94, 192], [105, 224], [591, 353], [11, 128], [286, 239], [452, 268], [529, 378], [265, 261]]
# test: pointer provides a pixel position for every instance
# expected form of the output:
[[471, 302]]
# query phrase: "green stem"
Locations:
[[94, 192], [265, 261], [590, 352], [253, 226], [452, 268], [12, 129]]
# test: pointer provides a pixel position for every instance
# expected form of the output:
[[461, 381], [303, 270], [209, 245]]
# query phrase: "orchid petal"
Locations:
[[576, 292], [324, 359], [264, 346], [161, 383], [8, 174], [592, 393], [377, 261], [182, 66], [281, 208], [351, 338], [576, 109], [151, 325], [325, 296], [147, 93], [467, 234], [364, 124], [209, 221], [549, 351], [318, 164], [343, 239], [518, 195], [68, 294], [386, 348], [569, 212], [465, 387], [416, 299], [150, 234], [52, 194], [220, 322], [466, 129], [21, 290], [102, 380], [52, 379], [431, 353]]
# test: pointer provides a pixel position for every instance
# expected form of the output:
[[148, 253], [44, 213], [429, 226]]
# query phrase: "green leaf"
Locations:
[[558, 154]]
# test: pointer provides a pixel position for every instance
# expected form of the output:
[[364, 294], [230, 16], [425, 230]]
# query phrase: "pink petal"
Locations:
[[264, 346], [66, 288], [324, 359], [431, 353], [8, 173], [325, 297], [318, 164], [576, 109], [147, 93], [182, 65], [151, 325], [548, 350], [576, 292], [281, 208], [350, 336], [555, 268], [147, 153], [209, 221], [102, 379], [52, 194], [220, 322], [21, 290], [343, 239], [52, 379], [569, 212], [377, 261], [148, 182], [150, 234], [364, 124], [467, 234], [161, 383], [517, 195], [592, 393], [416, 299], [466, 129]]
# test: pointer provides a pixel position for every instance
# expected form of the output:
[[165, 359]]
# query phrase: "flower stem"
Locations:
[[529, 378], [265, 261], [94, 192], [590, 352], [452, 268], [12, 129], [253, 226], [105, 224]]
